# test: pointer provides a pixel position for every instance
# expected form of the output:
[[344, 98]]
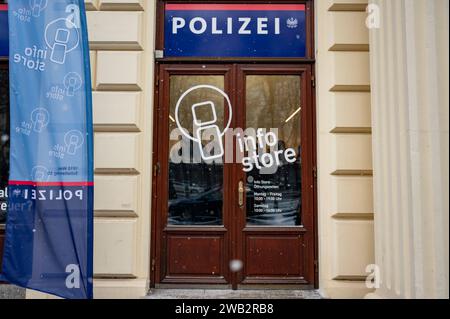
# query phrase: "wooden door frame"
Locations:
[[160, 144], [308, 61]]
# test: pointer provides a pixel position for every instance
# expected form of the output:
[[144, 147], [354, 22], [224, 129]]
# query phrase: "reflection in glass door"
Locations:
[[275, 235], [195, 185], [273, 104], [191, 184]]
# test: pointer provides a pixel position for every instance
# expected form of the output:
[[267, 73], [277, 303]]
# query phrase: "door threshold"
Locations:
[[192, 286], [233, 294]]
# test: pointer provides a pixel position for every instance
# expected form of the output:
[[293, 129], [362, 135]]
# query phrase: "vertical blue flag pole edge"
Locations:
[[89, 123]]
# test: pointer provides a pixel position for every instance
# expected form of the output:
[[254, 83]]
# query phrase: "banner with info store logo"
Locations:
[[49, 231]]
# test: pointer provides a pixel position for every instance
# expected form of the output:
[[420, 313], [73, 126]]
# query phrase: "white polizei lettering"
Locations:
[[245, 23], [262, 26], [203, 23], [79, 194], [214, 27], [230, 25], [177, 23], [53, 195], [199, 25], [68, 195], [277, 25]]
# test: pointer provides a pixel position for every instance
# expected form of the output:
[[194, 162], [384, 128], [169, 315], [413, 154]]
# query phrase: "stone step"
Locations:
[[232, 294]]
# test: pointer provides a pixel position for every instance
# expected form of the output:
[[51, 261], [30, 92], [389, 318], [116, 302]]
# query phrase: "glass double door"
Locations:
[[233, 184]]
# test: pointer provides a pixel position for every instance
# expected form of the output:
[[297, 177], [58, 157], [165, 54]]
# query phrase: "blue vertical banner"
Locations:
[[49, 231]]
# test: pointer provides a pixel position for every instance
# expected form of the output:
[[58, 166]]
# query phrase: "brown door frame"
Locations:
[[308, 62], [235, 232]]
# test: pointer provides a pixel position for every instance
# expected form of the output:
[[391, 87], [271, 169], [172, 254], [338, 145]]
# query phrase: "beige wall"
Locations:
[[121, 34], [410, 77], [345, 209]]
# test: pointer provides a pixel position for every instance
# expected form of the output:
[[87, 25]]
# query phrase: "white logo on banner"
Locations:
[[37, 6], [72, 83], [34, 9], [17, 192], [73, 140], [32, 57], [40, 119], [62, 37], [40, 174]]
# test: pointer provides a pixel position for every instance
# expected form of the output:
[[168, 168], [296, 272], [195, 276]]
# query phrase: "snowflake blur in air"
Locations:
[[236, 265]]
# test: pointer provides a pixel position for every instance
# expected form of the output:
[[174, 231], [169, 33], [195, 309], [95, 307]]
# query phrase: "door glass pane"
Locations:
[[274, 191], [195, 184]]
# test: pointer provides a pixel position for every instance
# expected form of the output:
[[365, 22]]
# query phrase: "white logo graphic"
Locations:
[[292, 23], [73, 140], [40, 119], [62, 37], [37, 6], [255, 143], [17, 192], [40, 174], [72, 83], [210, 127]]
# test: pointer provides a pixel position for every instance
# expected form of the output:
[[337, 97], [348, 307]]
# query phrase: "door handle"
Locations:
[[241, 192]]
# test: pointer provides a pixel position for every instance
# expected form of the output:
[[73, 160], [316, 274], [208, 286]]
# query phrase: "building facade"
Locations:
[[374, 140]]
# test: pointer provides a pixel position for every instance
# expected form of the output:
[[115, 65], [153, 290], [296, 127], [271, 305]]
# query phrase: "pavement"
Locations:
[[11, 292], [232, 294]]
